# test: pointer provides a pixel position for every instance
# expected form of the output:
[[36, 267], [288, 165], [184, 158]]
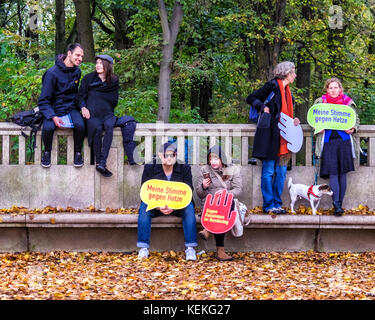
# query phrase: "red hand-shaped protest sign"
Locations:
[[217, 216]]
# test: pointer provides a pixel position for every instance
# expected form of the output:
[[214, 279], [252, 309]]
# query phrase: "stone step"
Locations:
[[118, 233]]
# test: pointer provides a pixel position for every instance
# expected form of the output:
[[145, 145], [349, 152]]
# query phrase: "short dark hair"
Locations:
[[72, 46]]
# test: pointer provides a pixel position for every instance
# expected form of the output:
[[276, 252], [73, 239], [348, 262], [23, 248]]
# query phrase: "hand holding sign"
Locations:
[[217, 216], [291, 133], [331, 116]]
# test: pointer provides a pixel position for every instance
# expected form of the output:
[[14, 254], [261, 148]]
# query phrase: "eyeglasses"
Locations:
[[169, 155]]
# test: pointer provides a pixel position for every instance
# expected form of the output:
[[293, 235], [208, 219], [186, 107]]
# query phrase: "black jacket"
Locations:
[[267, 140], [59, 88], [100, 98], [181, 173]]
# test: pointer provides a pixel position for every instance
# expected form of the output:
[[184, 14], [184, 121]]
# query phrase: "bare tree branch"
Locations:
[[106, 16], [103, 26]]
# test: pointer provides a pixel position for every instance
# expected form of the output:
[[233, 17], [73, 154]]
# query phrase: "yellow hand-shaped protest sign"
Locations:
[[160, 193]]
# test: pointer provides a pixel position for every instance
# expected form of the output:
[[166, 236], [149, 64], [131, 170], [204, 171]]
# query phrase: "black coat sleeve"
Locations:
[[257, 98], [187, 176], [147, 173], [116, 95], [81, 98], [46, 96]]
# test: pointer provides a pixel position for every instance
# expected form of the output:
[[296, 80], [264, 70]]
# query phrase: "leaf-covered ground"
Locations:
[[166, 275]]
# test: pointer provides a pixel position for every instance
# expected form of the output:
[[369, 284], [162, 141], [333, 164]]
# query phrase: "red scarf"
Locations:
[[287, 108], [341, 99]]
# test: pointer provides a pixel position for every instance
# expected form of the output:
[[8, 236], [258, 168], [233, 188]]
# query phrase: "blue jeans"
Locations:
[[188, 224], [272, 183]]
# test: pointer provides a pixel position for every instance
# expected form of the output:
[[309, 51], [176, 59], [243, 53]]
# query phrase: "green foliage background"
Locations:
[[216, 45]]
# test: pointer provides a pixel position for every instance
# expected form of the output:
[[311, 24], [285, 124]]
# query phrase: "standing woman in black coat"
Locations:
[[269, 146], [97, 97]]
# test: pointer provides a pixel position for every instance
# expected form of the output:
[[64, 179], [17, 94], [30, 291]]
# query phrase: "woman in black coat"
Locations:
[[268, 146], [97, 97]]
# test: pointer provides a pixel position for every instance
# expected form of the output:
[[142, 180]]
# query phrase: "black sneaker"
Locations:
[[46, 159], [78, 160], [103, 171]]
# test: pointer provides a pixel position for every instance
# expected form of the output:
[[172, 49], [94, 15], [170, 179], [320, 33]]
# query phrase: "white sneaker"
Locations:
[[190, 254], [143, 253]]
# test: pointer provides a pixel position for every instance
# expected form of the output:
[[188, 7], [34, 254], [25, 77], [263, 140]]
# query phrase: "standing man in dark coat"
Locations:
[[57, 99]]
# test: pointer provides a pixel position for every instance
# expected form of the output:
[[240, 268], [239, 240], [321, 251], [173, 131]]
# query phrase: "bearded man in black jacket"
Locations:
[[57, 99]]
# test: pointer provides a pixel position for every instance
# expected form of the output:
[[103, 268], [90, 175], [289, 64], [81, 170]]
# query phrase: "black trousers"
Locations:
[[129, 144], [219, 238], [101, 145], [78, 131]]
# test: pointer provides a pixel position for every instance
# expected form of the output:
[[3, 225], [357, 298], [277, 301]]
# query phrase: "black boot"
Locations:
[[103, 170], [338, 210]]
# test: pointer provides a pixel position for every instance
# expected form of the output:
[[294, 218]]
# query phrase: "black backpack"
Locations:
[[30, 118]]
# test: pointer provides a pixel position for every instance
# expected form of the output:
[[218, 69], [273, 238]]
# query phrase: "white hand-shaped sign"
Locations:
[[291, 133]]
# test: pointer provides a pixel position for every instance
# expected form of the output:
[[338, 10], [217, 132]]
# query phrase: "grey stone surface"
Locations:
[[132, 185], [346, 240], [60, 185], [118, 233], [63, 185], [13, 239], [16, 181], [80, 239]]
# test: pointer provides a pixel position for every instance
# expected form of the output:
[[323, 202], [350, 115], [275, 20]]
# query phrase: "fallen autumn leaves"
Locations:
[[305, 275]]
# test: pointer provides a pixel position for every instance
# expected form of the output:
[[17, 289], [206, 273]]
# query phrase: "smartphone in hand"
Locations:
[[206, 175]]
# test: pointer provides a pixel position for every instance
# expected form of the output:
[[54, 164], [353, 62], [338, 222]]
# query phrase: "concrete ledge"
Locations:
[[130, 220], [118, 233]]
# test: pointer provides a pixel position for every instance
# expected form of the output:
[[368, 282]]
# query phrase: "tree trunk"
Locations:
[[19, 14], [73, 34], [303, 75], [121, 17], [263, 59], [31, 31], [200, 95], [371, 49], [303, 82], [170, 32], [268, 51], [60, 44], [279, 22], [84, 28]]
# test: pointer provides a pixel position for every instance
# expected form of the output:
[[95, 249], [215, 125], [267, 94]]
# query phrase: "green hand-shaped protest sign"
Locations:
[[331, 116]]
